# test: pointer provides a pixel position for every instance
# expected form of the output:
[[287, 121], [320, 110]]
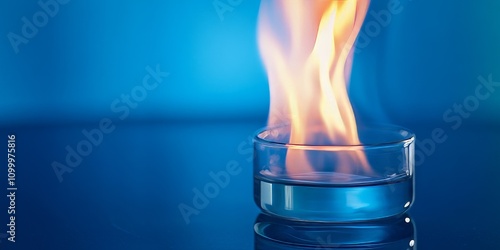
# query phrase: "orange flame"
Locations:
[[307, 50]]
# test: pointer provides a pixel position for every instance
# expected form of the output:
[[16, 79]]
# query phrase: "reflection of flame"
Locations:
[[307, 50]]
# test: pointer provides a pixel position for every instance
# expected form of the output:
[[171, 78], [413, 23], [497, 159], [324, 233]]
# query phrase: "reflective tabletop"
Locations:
[[158, 186]]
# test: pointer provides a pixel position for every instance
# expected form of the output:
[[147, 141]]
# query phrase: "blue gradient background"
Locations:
[[125, 194], [91, 52]]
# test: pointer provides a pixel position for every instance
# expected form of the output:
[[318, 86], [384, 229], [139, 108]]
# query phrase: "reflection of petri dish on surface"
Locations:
[[388, 234]]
